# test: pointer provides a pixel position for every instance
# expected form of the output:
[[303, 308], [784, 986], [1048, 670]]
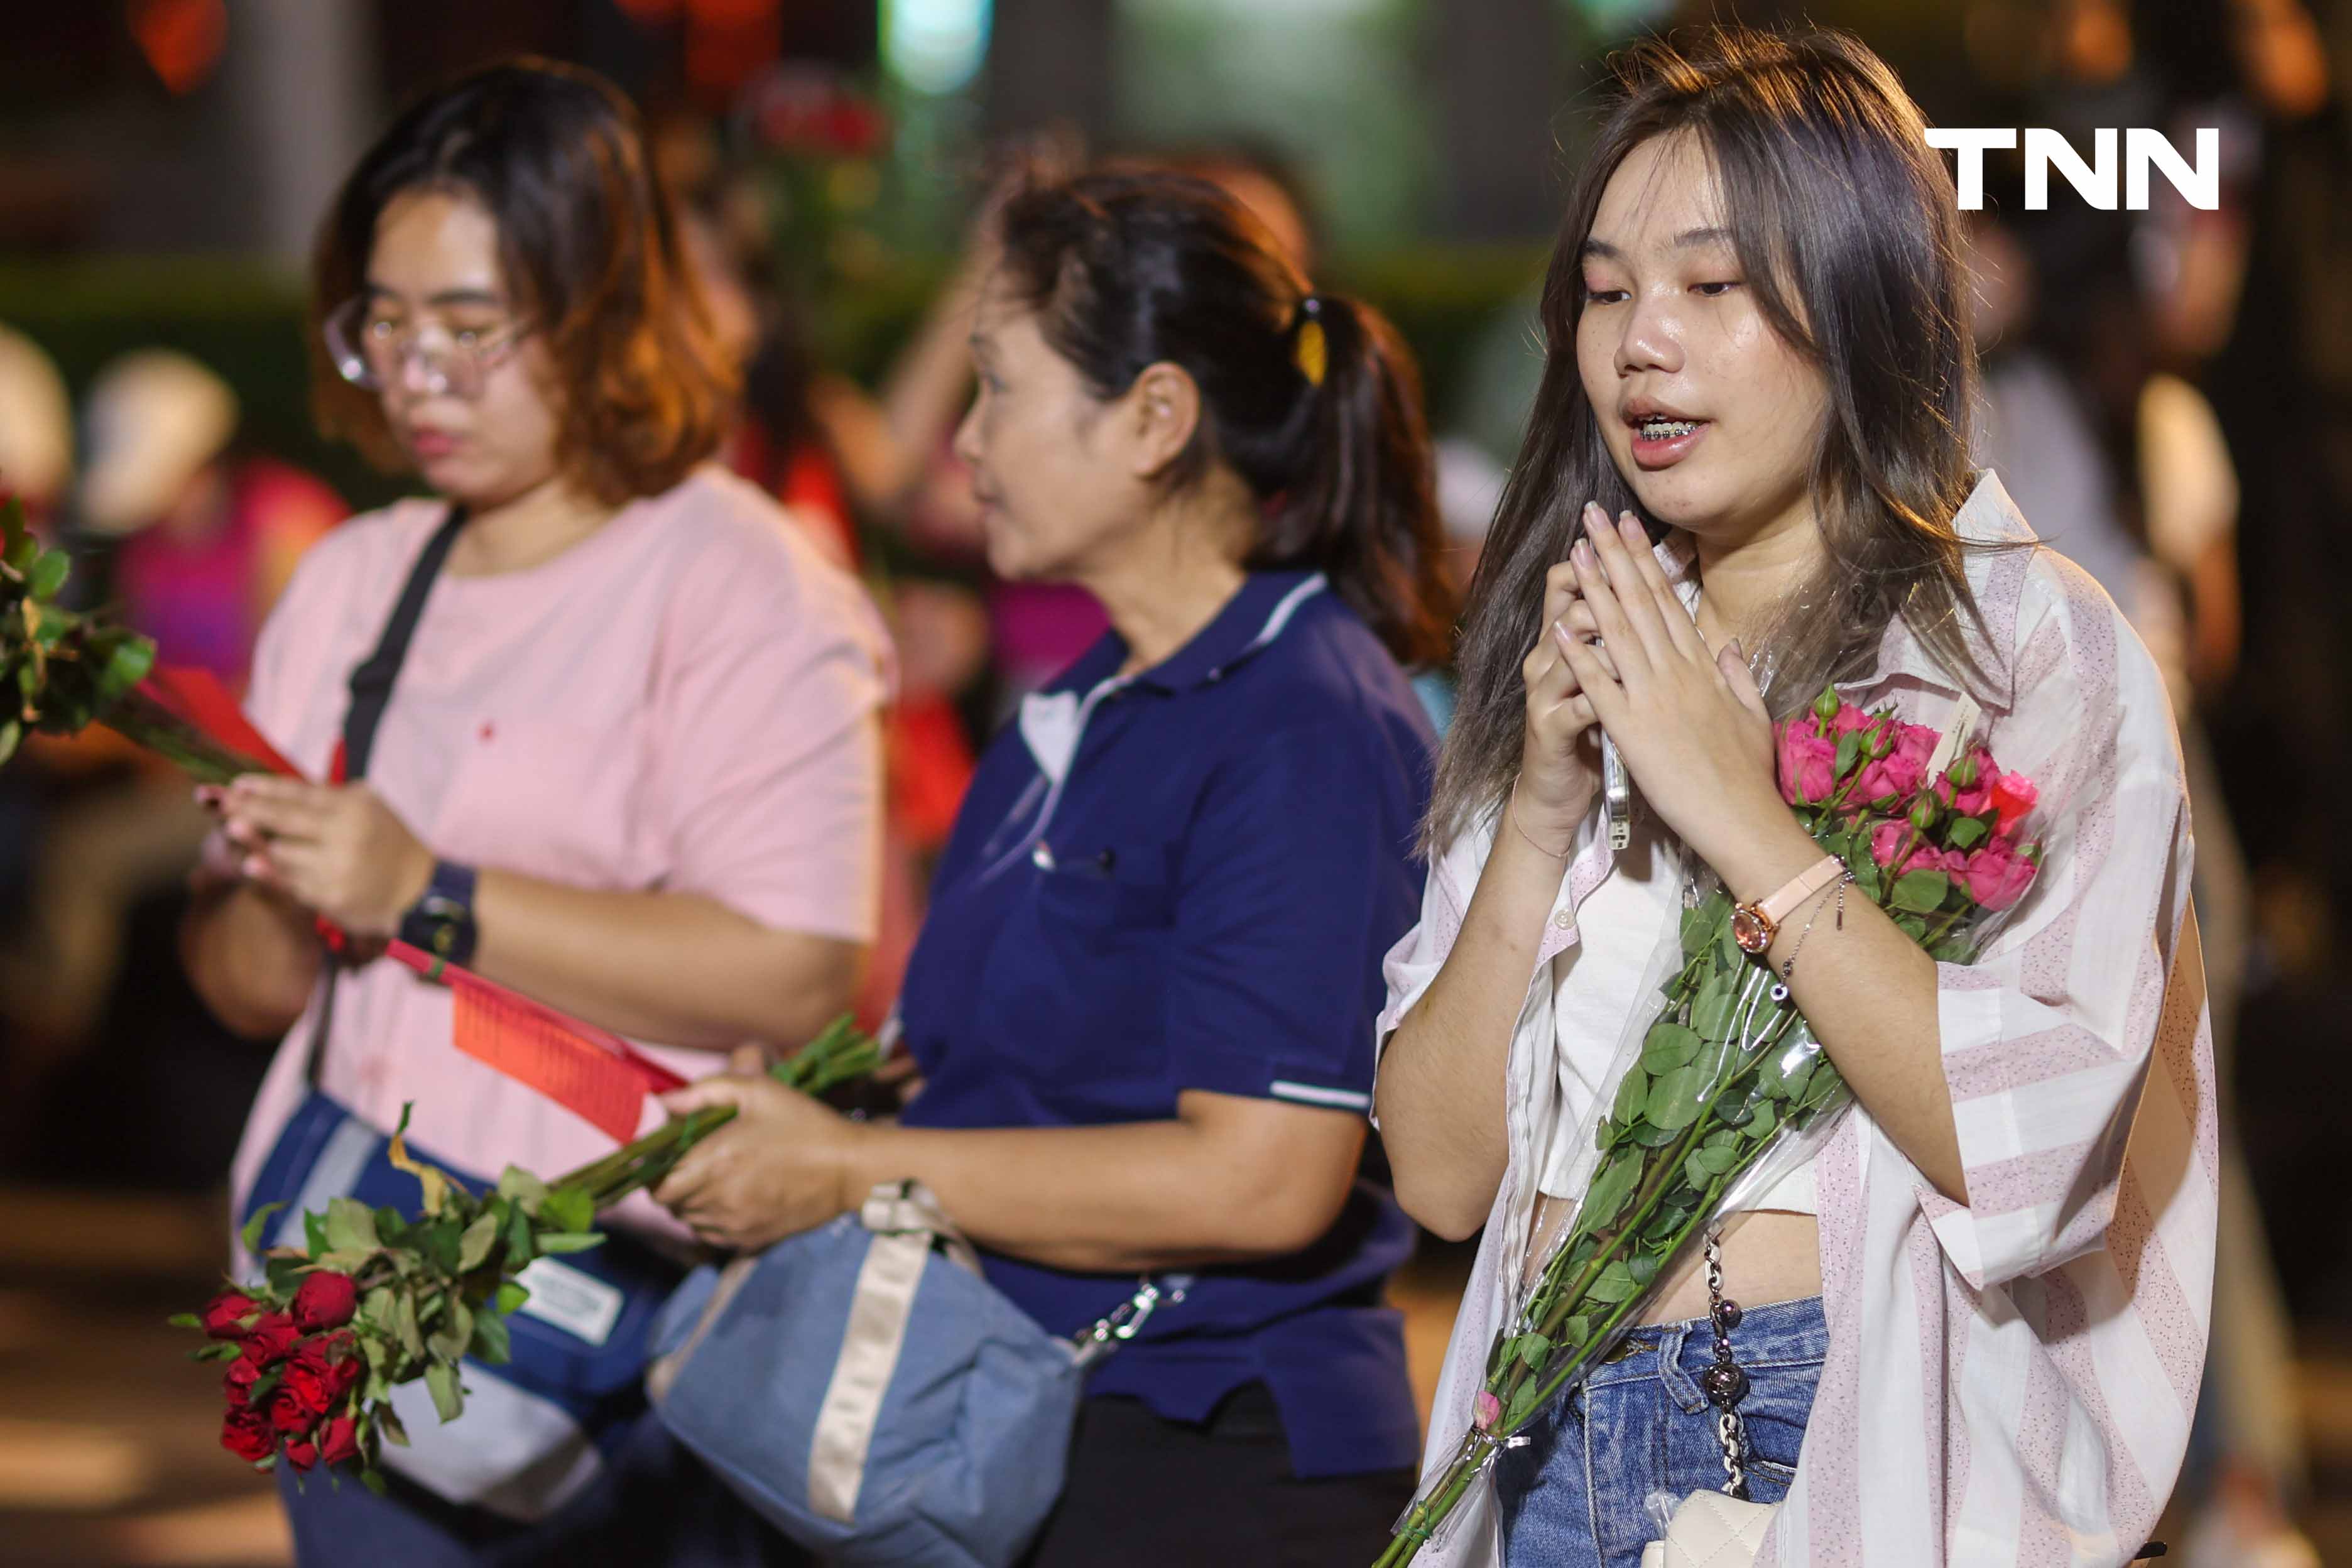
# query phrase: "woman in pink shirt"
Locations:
[[628, 766]]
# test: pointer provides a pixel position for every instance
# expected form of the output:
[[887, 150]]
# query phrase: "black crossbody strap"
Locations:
[[370, 689], [372, 679]]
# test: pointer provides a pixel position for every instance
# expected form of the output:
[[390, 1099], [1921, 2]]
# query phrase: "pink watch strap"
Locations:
[[1781, 905]]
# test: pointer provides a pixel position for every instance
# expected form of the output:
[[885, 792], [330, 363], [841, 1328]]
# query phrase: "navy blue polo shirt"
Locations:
[[1184, 880]]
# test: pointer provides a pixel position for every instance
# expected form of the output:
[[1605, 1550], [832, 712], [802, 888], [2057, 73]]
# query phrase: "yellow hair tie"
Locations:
[[1311, 352]]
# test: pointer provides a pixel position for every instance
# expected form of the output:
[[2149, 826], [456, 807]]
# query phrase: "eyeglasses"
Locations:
[[374, 349]]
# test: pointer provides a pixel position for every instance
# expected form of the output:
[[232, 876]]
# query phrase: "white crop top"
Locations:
[[1597, 985]]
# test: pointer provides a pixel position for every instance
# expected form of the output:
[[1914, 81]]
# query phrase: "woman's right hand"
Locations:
[[1559, 755]]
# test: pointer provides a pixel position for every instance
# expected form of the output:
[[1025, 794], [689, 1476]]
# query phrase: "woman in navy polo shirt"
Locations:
[[1143, 1002]]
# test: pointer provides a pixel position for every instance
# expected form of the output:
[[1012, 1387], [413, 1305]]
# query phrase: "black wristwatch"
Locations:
[[441, 921]]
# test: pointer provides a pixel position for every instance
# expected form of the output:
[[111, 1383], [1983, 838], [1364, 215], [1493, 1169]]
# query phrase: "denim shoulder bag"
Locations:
[[875, 1399], [536, 1428]]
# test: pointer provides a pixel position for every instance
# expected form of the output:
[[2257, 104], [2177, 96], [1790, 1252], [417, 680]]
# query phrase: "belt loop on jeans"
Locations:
[[1681, 1387]]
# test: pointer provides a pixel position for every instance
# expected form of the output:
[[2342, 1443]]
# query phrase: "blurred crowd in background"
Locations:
[[2167, 394]]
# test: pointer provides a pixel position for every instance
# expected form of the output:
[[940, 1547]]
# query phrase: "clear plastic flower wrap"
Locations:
[[1719, 1088]]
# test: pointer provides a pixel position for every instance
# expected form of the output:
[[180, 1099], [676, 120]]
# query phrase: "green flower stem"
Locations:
[[139, 719], [836, 1057], [1942, 926], [1440, 1505], [1468, 1461]]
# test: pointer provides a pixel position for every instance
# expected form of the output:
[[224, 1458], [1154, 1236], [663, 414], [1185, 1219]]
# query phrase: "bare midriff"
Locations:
[[1768, 1255]]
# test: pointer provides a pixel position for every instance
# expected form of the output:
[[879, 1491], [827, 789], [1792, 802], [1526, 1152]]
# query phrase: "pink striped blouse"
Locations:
[[2009, 1382]]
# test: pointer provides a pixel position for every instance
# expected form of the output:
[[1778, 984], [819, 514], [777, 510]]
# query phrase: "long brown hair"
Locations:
[[1846, 227], [1128, 269], [590, 247]]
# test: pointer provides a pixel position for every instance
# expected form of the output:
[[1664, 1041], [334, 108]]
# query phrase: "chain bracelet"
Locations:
[[1724, 1384]]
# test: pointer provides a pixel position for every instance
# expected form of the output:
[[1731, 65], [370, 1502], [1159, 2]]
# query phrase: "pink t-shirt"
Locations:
[[685, 702]]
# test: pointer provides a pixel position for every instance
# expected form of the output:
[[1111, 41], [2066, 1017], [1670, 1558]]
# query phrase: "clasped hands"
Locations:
[[1620, 651]]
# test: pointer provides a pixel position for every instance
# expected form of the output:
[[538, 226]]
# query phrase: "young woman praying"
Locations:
[[1973, 1323]]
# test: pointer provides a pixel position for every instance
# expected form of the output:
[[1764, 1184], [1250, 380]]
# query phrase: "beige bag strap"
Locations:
[[905, 1218]]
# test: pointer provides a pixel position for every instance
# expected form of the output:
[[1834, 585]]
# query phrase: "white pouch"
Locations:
[[1710, 1529]]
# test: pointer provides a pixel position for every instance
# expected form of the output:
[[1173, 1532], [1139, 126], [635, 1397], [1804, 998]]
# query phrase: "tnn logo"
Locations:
[[2094, 182]]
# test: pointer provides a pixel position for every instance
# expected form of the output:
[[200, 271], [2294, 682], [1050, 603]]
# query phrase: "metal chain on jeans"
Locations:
[[1724, 1384]]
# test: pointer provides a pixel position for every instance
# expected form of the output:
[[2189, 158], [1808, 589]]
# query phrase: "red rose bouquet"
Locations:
[[375, 1299], [1722, 1090]]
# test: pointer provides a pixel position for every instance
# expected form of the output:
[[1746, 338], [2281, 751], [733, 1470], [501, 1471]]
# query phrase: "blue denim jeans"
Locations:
[[1575, 1496]]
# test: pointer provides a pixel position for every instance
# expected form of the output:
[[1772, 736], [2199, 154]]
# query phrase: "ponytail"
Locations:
[[1313, 400], [1361, 501]]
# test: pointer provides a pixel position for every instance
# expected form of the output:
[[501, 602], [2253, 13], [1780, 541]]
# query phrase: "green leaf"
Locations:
[[519, 1186], [513, 1294], [1698, 932], [1826, 1082], [1913, 926], [49, 575], [405, 1326], [440, 1243], [1677, 1098], [1643, 1269], [1921, 891], [252, 1233], [224, 1351], [12, 730], [1532, 1349], [1711, 1014], [1849, 747], [1576, 1332], [314, 1232], [350, 1226], [455, 1332], [568, 1241], [479, 1237], [1610, 1190], [1871, 879], [390, 1229], [1766, 1124], [1614, 1284], [1649, 1135], [373, 1479], [449, 1397], [1966, 833], [519, 1250], [1523, 1404], [186, 1321], [127, 665], [568, 1209], [1667, 1046], [1632, 1093], [388, 1422], [492, 1343]]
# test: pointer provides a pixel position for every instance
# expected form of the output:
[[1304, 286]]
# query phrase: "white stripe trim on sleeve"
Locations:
[[1314, 1094]]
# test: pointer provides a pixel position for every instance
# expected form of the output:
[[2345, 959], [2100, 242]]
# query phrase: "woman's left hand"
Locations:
[[335, 848], [780, 1168], [1689, 723]]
